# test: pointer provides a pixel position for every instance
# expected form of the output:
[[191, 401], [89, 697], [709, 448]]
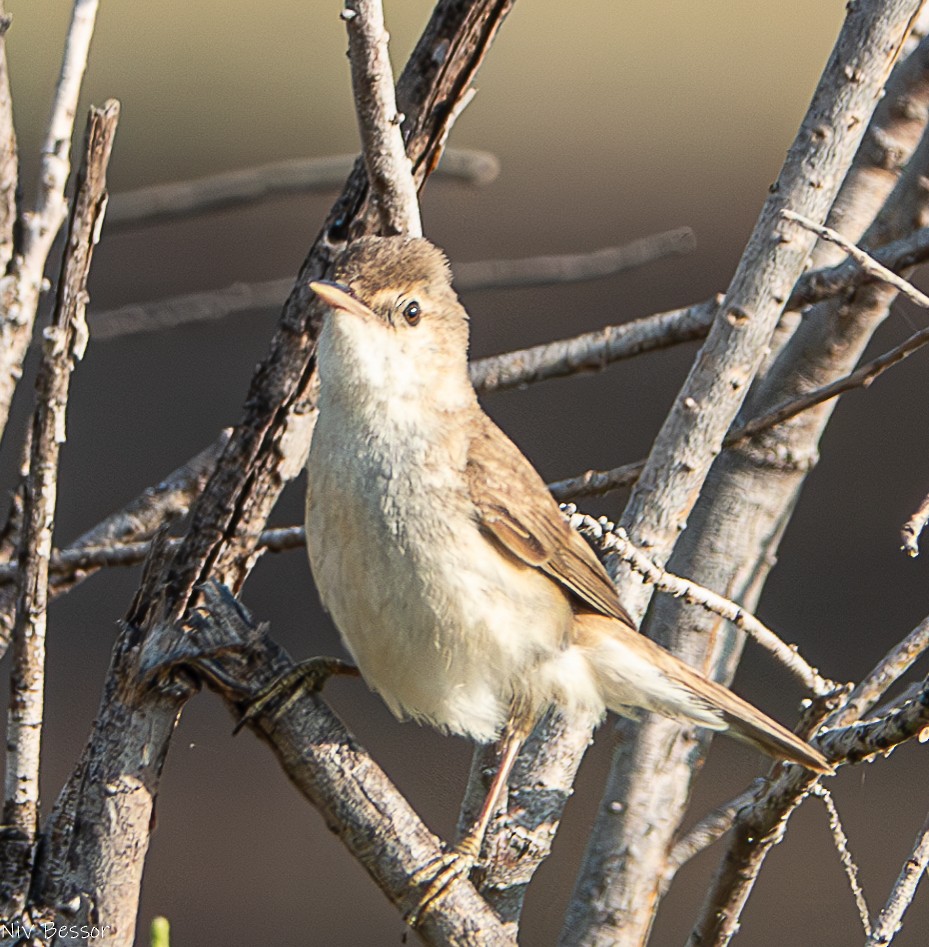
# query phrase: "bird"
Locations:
[[458, 586]]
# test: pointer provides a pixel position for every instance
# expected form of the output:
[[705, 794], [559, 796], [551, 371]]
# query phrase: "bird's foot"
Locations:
[[438, 875], [308, 675]]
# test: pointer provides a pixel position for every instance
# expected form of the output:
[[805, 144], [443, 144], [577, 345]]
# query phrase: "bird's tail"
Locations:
[[633, 672]]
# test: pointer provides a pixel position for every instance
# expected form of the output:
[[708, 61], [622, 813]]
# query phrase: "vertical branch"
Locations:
[[390, 172], [21, 285], [65, 341], [9, 172]]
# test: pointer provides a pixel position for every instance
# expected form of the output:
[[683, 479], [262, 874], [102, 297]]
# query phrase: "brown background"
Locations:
[[611, 121]]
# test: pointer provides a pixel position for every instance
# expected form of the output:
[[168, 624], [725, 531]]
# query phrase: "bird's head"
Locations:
[[394, 320]]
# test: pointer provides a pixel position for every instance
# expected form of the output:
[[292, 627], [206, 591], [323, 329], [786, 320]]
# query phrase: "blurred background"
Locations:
[[611, 121]]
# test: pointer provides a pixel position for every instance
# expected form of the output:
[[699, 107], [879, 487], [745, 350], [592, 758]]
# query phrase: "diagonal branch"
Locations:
[[327, 765], [613, 542], [65, 341], [890, 920], [615, 893], [864, 259], [128, 745]]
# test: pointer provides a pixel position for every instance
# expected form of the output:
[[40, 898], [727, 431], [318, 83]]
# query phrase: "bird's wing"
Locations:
[[517, 512]]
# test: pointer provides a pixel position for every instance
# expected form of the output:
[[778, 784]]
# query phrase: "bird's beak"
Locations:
[[339, 296]]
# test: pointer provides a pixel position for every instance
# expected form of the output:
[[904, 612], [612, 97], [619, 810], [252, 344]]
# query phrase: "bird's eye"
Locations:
[[412, 312]]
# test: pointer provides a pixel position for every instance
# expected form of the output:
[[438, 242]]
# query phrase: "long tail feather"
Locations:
[[634, 672]]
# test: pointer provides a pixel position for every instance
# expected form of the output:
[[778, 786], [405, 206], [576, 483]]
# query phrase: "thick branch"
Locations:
[[65, 340], [326, 764], [96, 843], [615, 896]]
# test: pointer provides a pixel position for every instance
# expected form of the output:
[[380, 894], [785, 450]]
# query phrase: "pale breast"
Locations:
[[445, 627]]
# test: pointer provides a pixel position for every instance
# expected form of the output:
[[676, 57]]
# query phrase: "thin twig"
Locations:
[[657, 331], [390, 172], [680, 325], [20, 288], [712, 827], [913, 527], [65, 341], [613, 540], [594, 483], [9, 170], [83, 559], [862, 377], [156, 506], [890, 920], [892, 666], [845, 856], [592, 351], [864, 259], [862, 698], [163, 203], [574, 267], [599, 482]]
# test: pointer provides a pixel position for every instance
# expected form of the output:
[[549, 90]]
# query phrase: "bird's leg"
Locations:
[[438, 874], [309, 675]]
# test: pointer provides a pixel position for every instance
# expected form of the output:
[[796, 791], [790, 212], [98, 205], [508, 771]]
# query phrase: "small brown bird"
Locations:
[[459, 588]]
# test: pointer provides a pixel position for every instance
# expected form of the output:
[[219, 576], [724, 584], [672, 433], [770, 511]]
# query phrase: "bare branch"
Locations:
[[898, 660], [708, 830], [65, 340], [95, 841], [615, 543], [594, 483], [845, 856], [140, 518], [760, 826], [864, 259], [327, 765], [526, 365], [469, 277], [852, 707], [82, 560], [9, 168], [163, 203], [860, 378], [592, 351], [21, 286], [913, 527], [390, 172], [622, 889], [574, 267], [599, 482], [890, 920]]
